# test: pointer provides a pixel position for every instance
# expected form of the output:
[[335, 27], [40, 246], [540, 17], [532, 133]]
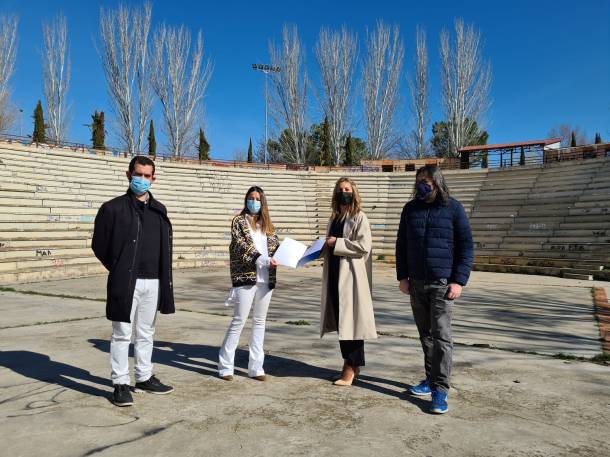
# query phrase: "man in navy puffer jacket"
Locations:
[[433, 262]]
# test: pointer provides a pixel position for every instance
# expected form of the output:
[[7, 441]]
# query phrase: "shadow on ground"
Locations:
[[202, 359], [42, 368]]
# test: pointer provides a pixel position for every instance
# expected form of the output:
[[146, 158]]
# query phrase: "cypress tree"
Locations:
[[250, 158], [349, 151], [38, 136], [204, 147], [573, 140], [522, 157], [98, 134], [325, 158], [152, 143], [93, 127], [598, 138], [102, 131]]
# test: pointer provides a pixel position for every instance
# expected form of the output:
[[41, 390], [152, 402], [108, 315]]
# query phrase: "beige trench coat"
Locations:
[[356, 318]]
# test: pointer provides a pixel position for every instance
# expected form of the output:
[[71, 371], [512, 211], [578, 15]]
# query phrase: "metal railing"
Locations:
[[116, 152], [514, 158], [490, 160]]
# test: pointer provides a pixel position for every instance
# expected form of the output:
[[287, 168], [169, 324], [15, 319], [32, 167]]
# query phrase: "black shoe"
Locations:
[[122, 395], [153, 386]]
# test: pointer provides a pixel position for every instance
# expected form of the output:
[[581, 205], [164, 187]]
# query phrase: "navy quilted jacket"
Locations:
[[434, 242]]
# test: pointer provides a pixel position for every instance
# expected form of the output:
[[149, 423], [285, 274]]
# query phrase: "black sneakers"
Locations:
[[153, 386], [122, 392], [122, 395]]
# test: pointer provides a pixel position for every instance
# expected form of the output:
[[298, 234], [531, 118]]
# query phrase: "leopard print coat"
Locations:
[[243, 254]]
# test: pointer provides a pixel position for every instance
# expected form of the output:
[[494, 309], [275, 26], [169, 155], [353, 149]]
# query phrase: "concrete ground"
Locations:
[[54, 386]]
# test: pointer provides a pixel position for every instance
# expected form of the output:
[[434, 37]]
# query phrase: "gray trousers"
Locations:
[[432, 312]]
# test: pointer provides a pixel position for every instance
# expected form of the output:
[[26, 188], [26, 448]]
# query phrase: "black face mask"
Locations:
[[345, 198]]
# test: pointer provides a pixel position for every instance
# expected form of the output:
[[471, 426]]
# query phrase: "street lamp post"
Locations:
[[20, 121], [265, 69]]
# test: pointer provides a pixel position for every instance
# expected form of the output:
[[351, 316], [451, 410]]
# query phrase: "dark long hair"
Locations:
[[263, 215], [436, 176]]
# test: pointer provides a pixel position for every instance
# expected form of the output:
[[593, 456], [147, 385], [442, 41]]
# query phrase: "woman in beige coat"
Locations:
[[347, 306]]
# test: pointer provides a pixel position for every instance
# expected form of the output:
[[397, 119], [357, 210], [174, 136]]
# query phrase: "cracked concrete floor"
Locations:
[[54, 389]]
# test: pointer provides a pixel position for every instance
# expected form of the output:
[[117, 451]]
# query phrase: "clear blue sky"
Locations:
[[550, 59]]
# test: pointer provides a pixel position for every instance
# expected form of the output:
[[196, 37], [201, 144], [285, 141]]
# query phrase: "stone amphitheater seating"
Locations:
[[553, 220], [49, 198]]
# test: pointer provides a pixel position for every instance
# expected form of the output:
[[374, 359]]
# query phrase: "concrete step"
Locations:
[[581, 276], [503, 251], [519, 269], [47, 274], [588, 265]]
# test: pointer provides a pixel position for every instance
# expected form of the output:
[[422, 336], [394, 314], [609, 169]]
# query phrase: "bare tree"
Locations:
[[381, 74], [179, 81], [56, 76], [240, 155], [418, 89], [8, 52], [8, 115], [288, 99], [336, 53], [259, 151], [124, 52], [564, 131], [466, 83], [272, 152]]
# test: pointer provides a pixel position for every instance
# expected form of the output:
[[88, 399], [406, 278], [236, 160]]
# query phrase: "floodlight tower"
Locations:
[[265, 69]]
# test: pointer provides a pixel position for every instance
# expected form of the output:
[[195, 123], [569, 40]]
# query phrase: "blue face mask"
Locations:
[[254, 206], [139, 185], [423, 190]]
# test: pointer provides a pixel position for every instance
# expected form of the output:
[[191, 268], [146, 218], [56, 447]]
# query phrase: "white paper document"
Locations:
[[292, 253]]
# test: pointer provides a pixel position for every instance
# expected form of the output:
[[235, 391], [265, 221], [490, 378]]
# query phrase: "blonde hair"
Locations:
[[335, 204], [263, 215]]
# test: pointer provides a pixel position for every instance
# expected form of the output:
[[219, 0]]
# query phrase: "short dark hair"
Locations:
[[142, 160]]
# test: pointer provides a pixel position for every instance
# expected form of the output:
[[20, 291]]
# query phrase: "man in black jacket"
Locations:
[[434, 256], [133, 240]]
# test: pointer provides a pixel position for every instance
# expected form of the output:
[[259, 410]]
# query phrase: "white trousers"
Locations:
[[143, 317], [260, 296]]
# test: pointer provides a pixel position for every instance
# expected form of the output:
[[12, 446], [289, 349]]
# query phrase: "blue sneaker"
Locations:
[[423, 388], [439, 402]]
